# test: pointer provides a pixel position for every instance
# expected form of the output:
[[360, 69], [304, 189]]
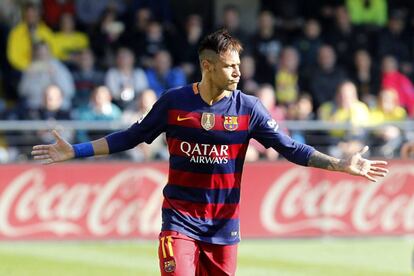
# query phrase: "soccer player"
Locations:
[[208, 126]]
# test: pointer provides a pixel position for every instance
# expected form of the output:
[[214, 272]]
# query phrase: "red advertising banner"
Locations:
[[123, 200]]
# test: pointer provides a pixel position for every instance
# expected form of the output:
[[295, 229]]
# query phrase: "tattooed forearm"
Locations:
[[323, 161]]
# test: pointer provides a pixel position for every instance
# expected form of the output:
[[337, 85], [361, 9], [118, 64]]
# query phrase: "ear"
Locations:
[[206, 65]]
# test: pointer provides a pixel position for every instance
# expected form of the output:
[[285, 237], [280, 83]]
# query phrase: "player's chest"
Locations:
[[208, 126]]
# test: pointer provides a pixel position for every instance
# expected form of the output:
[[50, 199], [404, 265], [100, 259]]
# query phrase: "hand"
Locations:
[[407, 150], [356, 165], [57, 152]]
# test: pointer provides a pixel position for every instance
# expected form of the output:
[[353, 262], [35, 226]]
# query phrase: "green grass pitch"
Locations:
[[292, 257]]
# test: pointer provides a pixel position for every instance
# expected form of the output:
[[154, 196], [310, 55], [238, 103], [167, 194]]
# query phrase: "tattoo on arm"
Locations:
[[323, 161]]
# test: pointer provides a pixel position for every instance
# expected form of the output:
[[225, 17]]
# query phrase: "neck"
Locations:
[[211, 94]]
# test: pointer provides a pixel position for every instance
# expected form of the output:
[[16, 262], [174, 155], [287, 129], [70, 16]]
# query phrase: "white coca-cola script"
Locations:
[[128, 203], [294, 203]]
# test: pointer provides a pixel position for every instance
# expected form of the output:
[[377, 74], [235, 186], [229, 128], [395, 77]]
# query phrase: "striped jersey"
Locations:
[[207, 146]]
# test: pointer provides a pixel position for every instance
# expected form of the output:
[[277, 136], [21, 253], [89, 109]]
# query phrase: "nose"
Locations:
[[236, 72]]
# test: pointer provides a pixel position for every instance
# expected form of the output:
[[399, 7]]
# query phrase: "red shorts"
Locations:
[[180, 255]]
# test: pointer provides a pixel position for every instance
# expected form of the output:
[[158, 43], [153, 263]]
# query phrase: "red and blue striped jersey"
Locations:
[[207, 145]]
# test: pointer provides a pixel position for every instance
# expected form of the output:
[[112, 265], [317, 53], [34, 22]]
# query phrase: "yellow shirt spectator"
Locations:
[[68, 40], [67, 43], [286, 87], [357, 115], [19, 44], [388, 108]]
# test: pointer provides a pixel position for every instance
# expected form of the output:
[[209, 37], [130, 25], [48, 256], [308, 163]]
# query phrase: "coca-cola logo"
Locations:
[[128, 203], [294, 203]]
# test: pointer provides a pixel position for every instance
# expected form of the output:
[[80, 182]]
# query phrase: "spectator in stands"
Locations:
[[105, 39], [231, 22], [266, 45], [266, 95], [100, 109], [44, 71], [309, 43], [52, 110], [135, 33], [125, 81], [51, 107], [86, 78], [154, 41], [248, 83], [288, 15], [189, 40], [368, 12], [145, 152], [346, 109], [392, 78], [53, 10], [396, 41], [344, 38], [162, 75], [69, 41], [365, 76], [160, 10], [325, 78], [386, 140], [302, 110], [89, 12], [286, 79], [23, 36], [10, 12]]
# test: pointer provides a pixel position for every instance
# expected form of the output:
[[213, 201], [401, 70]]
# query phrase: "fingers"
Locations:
[[41, 147], [56, 135], [41, 157], [379, 169], [375, 173], [378, 162], [369, 177], [47, 161], [364, 150], [39, 152]]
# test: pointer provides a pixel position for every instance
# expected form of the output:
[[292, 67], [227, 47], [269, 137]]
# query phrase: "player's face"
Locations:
[[226, 71]]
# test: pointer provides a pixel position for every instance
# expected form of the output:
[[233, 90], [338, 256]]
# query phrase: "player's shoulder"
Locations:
[[246, 100], [176, 92]]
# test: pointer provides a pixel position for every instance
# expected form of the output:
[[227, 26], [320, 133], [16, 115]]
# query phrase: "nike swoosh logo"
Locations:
[[179, 119]]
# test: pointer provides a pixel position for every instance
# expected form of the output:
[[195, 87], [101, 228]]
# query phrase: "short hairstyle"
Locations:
[[220, 42]]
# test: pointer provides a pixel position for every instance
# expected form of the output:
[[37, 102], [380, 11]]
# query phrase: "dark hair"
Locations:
[[220, 42]]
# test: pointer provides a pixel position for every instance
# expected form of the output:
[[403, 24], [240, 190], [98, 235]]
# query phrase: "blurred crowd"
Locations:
[[349, 61]]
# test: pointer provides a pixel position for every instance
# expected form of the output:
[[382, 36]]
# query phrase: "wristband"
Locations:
[[83, 150]]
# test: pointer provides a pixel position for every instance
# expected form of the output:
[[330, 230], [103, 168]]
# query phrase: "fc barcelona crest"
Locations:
[[207, 120], [230, 123], [169, 266]]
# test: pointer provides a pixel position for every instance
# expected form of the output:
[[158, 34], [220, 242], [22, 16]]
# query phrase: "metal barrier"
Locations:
[[17, 137]]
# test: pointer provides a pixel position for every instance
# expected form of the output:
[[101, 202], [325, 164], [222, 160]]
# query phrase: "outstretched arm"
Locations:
[[355, 165], [61, 150]]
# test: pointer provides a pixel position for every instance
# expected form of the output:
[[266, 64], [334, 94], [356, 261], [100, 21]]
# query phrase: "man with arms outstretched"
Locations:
[[208, 126]]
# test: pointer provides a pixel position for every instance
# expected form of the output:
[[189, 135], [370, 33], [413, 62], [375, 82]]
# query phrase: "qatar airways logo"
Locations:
[[206, 153]]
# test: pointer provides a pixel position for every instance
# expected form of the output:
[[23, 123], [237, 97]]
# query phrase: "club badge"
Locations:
[[207, 120], [230, 123], [169, 266]]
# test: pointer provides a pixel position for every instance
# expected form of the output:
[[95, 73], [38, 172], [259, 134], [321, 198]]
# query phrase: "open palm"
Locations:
[[57, 152], [357, 165]]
